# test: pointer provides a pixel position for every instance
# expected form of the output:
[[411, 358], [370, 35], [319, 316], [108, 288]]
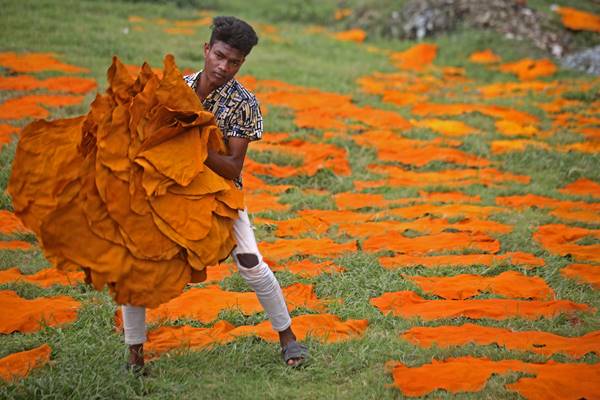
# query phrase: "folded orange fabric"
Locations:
[[552, 380], [35, 62], [19, 365], [205, 304], [544, 343], [125, 209], [437, 242], [10, 224], [587, 273], [510, 284], [408, 304], [44, 278], [22, 315], [407, 261], [562, 240], [324, 327]]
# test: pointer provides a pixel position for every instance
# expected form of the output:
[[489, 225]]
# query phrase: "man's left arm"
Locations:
[[229, 165]]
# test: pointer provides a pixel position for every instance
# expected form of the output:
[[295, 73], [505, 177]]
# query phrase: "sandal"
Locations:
[[294, 350]]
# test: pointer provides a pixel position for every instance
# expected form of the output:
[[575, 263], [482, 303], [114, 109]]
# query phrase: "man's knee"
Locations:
[[247, 260]]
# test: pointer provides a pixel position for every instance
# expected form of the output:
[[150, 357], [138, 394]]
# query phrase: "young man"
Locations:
[[238, 116]]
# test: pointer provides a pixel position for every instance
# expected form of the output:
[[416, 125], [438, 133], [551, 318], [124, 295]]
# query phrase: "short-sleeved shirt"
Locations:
[[236, 110]]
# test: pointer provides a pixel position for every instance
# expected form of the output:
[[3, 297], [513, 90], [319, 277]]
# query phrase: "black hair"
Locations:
[[234, 32]]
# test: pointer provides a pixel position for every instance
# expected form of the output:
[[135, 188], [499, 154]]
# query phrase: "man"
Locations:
[[238, 116]]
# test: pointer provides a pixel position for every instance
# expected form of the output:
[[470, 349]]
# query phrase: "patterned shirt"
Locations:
[[236, 110]]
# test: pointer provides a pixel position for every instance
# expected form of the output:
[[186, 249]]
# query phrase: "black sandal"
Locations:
[[294, 350]]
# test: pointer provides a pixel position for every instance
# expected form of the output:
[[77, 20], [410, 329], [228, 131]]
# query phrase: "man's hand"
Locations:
[[229, 165]]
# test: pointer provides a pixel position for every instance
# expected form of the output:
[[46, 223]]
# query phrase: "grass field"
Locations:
[[88, 355]]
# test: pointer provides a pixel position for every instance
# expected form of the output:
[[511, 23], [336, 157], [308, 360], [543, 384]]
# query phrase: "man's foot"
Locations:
[[135, 363], [294, 354]]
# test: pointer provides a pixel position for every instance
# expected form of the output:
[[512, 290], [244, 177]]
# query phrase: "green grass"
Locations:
[[88, 355]]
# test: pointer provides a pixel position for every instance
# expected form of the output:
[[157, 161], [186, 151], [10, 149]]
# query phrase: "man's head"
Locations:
[[230, 42]]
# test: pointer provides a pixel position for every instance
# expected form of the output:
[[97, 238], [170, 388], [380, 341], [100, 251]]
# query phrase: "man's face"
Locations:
[[221, 62]]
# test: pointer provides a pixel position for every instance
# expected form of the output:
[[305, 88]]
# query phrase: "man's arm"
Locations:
[[229, 165]]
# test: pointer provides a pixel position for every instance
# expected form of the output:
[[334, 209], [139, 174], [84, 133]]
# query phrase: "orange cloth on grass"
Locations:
[[578, 20], [323, 327], [407, 261], [285, 248], [416, 58], [582, 187], [59, 83], [499, 112], [218, 273], [14, 245], [261, 202], [22, 315], [19, 365], [352, 35], [552, 380], [135, 217], [205, 304], [527, 68], [408, 304], [398, 176], [437, 242], [543, 343], [507, 146], [10, 224], [445, 127], [561, 239], [6, 133], [30, 106], [35, 62], [511, 284], [587, 273], [486, 56], [44, 278], [307, 268]]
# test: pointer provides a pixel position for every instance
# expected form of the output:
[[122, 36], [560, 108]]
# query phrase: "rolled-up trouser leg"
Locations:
[[134, 324], [258, 274]]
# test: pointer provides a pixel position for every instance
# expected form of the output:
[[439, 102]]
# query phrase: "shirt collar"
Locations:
[[221, 90]]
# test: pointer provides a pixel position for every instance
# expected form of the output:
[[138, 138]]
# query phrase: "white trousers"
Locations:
[[259, 277]]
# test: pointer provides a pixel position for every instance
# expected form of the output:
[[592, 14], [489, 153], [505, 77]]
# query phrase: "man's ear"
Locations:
[[206, 49]]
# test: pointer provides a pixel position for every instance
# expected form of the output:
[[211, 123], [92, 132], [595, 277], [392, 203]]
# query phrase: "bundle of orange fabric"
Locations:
[[123, 193]]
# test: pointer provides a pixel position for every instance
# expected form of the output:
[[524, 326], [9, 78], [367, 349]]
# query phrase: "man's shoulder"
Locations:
[[240, 93]]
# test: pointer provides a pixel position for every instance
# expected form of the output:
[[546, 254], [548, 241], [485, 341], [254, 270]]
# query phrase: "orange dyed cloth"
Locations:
[[438, 242], [561, 239], [260, 202], [582, 187], [307, 268], [352, 35], [511, 128], [19, 365], [578, 20], [528, 69], [30, 106], [512, 89], [316, 156], [511, 284], [35, 62], [533, 200], [552, 380], [508, 146], [446, 211], [59, 83], [6, 133], [583, 273], [136, 218], [486, 56], [398, 176], [44, 278], [205, 304], [285, 248], [10, 224], [22, 315], [493, 111], [407, 304], [544, 343], [416, 58], [407, 261], [218, 273], [445, 127], [323, 327], [14, 245]]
